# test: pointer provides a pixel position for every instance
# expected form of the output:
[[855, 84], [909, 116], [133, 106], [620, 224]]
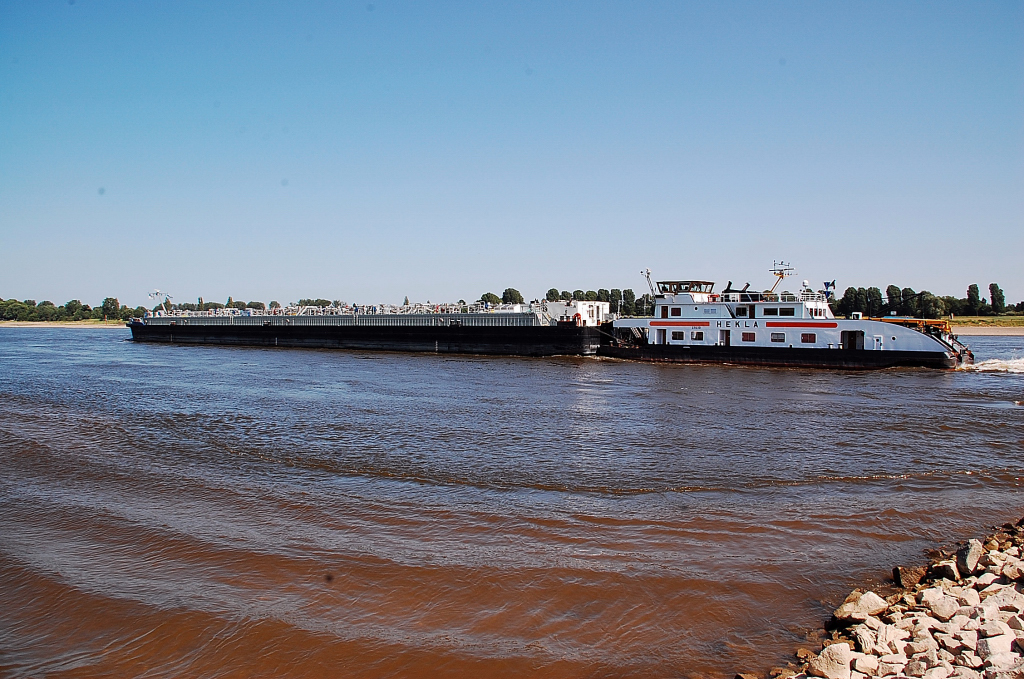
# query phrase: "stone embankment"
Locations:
[[962, 617]]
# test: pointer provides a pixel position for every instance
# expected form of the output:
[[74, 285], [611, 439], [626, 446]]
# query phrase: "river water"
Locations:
[[172, 511]]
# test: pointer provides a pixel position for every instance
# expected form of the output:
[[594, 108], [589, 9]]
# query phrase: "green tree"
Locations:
[[973, 299], [275, 304], [908, 302], [893, 298], [591, 296], [615, 299], [406, 302], [998, 299], [256, 305], [565, 295], [644, 306], [511, 296], [603, 295], [552, 295], [111, 308], [579, 295], [628, 302], [930, 306], [848, 302], [875, 303], [72, 307], [490, 298]]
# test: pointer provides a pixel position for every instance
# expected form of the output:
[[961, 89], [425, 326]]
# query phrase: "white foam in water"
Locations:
[[998, 365]]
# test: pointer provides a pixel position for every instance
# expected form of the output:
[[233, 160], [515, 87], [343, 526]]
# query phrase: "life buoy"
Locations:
[[578, 319]]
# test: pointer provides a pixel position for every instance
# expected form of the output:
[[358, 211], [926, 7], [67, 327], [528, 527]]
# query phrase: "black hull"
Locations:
[[500, 340], [805, 358]]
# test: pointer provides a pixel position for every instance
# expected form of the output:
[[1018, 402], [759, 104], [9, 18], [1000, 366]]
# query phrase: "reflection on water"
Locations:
[[230, 512]]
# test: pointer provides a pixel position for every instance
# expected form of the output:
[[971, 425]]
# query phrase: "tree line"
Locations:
[[74, 310], [906, 302]]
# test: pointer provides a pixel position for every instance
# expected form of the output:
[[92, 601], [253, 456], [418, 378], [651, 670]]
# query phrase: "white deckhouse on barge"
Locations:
[[693, 324]]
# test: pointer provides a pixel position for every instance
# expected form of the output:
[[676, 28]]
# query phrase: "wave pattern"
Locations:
[[211, 512]]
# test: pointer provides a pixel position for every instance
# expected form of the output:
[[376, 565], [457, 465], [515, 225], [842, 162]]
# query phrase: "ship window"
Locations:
[[676, 311], [770, 312], [748, 337], [741, 311], [778, 337], [808, 338], [787, 311], [697, 335], [679, 334]]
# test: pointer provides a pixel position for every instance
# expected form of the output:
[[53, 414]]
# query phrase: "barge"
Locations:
[[518, 330], [693, 324]]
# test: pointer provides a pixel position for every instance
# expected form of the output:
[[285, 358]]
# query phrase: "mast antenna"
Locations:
[[781, 270], [647, 274]]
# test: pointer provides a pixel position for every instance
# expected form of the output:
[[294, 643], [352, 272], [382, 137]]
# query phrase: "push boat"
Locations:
[[694, 324]]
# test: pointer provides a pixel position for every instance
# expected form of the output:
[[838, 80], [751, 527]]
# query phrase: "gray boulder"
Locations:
[[967, 557]]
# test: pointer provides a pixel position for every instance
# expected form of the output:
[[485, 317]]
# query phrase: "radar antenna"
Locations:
[[157, 294], [646, 273], [781, 270]]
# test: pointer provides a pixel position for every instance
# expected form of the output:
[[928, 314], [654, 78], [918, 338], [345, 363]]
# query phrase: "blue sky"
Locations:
[[366, 152]]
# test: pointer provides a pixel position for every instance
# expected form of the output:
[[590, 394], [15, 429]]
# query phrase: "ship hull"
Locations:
[[763, 356], [495, 340]]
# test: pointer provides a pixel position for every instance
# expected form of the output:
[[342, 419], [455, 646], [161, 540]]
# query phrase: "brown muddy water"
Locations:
[[176, 511]]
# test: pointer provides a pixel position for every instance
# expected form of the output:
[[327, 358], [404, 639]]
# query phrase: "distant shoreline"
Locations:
[[990, 330], [62, 324]]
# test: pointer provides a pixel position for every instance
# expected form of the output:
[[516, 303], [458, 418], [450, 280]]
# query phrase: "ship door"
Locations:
[[853, 340], [660, 337], [724, 337], [878, 343]]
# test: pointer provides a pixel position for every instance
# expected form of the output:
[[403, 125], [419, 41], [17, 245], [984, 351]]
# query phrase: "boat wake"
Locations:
[[998, 365]]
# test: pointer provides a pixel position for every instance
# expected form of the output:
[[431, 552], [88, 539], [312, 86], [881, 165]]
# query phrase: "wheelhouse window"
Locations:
[[676, 311], [770, 311], [741, 311], [787, 311], [808, 338], [749, 337], [697, 335], [679, 335], [778, 337]]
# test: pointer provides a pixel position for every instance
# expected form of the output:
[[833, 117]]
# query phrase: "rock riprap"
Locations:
[[962, 617]]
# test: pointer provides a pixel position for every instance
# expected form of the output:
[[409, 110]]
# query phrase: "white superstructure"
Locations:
[[689, 314]]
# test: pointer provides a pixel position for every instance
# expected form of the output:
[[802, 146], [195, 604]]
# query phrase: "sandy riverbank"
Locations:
[[971, 330]]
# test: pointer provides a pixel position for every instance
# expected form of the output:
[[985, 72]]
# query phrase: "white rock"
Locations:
[[936, 673], [945, 608], [1002, 661], [1013, 568], [868, 664], [986, 580], [969, 597], [964, 673], [991, 646], [969, 638], [832, 663], [860, 607], [886, 669], [922, 645], [916, 668], [994, 628], [864, 637]]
